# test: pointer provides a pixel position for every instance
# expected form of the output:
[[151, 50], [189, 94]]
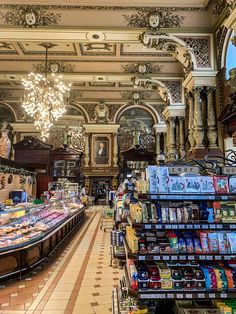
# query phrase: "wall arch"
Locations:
[[154, 114], [10, 108], [81, 109]]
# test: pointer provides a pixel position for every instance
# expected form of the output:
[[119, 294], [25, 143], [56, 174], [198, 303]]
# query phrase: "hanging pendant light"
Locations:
[[45, 99]]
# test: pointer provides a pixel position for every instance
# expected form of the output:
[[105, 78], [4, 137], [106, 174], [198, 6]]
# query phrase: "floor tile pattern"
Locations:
[[77, 280]]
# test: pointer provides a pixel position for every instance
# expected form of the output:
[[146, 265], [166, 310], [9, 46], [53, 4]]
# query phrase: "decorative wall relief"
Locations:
[[148, 68], [55, 66], [201, 50], [90, 109], [57, 137], [30, 16], [76, 139], [101, 113], [175, 88], [5, 45], [154, 19], [5, 140]]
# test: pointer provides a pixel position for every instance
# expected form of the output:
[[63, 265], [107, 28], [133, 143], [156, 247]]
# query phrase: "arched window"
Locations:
[[230, 57]]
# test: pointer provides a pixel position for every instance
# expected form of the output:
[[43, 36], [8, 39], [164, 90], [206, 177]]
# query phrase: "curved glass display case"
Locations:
[[38, 229]]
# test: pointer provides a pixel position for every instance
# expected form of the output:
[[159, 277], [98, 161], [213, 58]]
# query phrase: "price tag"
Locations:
[[158, 226], [204, 226], [224, 197], [189, 296], [156, 258], [202, 257], [179, 296], [197, 227], [219, 226], [212, 295], [174, 258], [218, 257], [201, 295], [212, 226], [223, 295], [209, 257], [166, 258], [147, 227], [168, 226], [174, 227], [227, 258], [181, 226], [191, 258], [170, 296], [232, 226], [141, 258], [189, 226], [161, 296], [182, 258]]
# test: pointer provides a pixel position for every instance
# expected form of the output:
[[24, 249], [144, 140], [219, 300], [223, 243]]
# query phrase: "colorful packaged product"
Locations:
[[231, 237], [232, 184], [177, 184], [192, 185], [221, 184], [213, 243], [211, 217], [172, 215], [164, 178], [222, 240], [165, 214], [207, 185], [204, 242], [217, 212], [153, 179]]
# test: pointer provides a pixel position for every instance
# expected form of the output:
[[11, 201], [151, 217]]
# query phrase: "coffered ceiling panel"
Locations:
[[36, 48]]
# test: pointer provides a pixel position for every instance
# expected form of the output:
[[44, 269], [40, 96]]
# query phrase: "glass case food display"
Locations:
[[40, 227]]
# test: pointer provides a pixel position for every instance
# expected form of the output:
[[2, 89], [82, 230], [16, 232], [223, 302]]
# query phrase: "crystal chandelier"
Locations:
[[45, 99]]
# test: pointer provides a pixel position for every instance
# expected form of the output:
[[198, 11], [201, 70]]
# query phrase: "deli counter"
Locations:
[[30, 233]]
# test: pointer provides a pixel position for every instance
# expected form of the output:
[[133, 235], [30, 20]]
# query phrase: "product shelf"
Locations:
[[177, 294], [177, 257], [182, 226], [186, 197]]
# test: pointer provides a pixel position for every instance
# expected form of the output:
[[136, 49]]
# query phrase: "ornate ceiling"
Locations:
[[98, 46]]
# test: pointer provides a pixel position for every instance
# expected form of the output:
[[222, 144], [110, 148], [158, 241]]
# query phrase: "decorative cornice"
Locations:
[[113, 8], [55, 66]]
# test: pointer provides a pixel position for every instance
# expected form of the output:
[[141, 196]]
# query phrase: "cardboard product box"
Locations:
[[192, 185], [164, 178], [177, 184], [207, 184], [152, 179], [232, 184]]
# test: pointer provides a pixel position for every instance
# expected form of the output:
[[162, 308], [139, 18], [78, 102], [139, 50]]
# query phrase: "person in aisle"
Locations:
[[111, 195], [83, 191]]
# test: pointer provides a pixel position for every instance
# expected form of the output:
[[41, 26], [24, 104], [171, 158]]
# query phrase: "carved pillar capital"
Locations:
[[197, 91], [210, 90], [197, 117]]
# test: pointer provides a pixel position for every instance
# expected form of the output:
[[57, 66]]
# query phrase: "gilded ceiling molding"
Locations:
[[219, 6], [139, 95], [154, 18], [31, 16], [150, 67], [16, 109], [220, 42], [5, 45], [112, 8], [55, 66]]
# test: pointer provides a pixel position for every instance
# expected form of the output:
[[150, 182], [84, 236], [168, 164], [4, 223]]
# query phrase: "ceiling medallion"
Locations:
[[154, 19], [31, 16], [45, 99]]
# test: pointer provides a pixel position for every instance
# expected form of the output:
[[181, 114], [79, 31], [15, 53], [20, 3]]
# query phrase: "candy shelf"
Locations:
[[177, 294], [186, 197], [177, 257], [182, 226]]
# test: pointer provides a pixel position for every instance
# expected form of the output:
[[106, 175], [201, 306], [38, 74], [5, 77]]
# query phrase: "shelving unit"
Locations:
[[180, 294]]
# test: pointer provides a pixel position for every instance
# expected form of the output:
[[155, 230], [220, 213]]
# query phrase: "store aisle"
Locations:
[[82, 281]]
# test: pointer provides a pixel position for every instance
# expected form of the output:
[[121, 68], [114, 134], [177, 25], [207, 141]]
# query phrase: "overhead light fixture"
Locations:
[[45, 98]]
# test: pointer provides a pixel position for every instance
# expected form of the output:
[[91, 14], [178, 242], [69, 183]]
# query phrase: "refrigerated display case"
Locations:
[[28, 234]]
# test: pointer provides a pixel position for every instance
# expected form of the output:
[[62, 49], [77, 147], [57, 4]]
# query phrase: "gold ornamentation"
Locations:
[[154, 19], [56, 66], [31, 16]]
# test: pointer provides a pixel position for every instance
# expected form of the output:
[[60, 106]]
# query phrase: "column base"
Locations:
[[200, 153]]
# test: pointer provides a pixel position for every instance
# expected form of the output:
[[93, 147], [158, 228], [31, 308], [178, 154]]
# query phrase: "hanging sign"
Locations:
[[228, 170]]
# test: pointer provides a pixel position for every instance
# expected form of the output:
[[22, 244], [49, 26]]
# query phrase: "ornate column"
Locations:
[[211, 118], [181, 137], [190, 123], [158, 145], [172, 140], [198, 121], [86, 153], [115, 151]]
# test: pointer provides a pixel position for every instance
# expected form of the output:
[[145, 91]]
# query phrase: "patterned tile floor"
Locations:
[[78, 279]]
